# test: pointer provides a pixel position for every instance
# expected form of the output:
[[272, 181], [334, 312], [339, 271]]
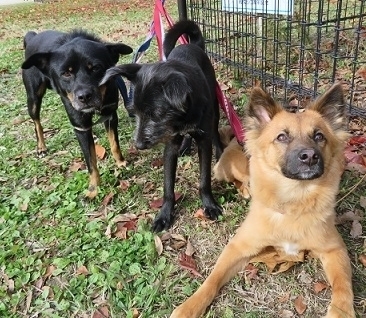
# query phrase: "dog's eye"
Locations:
[[96, 68], [319, 136], [282, 137]]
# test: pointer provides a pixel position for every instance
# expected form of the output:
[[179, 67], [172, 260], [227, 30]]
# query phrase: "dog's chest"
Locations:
[[290, 248]]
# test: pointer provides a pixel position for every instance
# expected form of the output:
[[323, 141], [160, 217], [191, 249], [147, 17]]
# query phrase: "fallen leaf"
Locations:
[[157, 163], [100, 151], [362, 259], [158, 245], [286, 313], [102, 312], [76, 166], [166, 236], [363, 201], [356, 230], [251, 271], [135, 313], [124, 184], [190, 249], [108, 198], [319, 286], [121, 233], [284, 298], [108, 231], [125, 217], [158, 203], [300, 305], [188, 263], [200, 214], [357, 140], [50, 269], [82, 270]]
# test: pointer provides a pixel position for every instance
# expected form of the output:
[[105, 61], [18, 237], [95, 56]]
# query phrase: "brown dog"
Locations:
[[233, 165], [296, 161]]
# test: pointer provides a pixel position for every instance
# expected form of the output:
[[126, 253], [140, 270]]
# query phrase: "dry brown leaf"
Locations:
[[108, 198], [82, 270], [363, 201], [190, 250], [178, 237], [362, 259], [50, 269], [102, 312], [187, 262], [100, 151], [157, 163], [124, 185], [300, 305], [251, 271], [356, 230], [28, 301], [135, 313], [76, 166], [319, 286], [121, 233], [200, 214], [284, 298], [125, 217], [158, 203], [166, 236], [108, 231], [286, 313], [158, 245]]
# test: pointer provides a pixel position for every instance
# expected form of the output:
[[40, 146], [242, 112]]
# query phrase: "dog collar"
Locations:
[[100, 120]]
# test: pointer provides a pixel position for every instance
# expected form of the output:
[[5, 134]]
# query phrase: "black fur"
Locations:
[[73, 64], [173, 99]]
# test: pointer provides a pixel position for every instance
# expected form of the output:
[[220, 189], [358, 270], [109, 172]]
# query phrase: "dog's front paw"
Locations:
[[162, 222], [213, 211], [92, 192], [41, 153]]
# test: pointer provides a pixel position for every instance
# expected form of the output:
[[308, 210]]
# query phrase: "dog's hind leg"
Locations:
[[212, 209], [111, 128], [233, 258], [86, 142], [337, 268], [35, 91], [165, 217]]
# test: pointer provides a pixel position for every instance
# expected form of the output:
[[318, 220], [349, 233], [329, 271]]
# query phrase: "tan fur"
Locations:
[[288, 212], [233, 165]]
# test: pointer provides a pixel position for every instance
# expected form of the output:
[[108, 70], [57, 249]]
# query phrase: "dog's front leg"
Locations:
[[86, 142], [233, 258], [337, 268], [212, 209], [165, 217], [111, 128]]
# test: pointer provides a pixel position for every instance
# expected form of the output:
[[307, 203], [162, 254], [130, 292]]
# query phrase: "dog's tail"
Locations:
[[188, 27], [29, 35]]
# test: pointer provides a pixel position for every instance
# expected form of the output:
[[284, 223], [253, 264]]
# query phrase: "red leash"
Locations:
[[226, 106]]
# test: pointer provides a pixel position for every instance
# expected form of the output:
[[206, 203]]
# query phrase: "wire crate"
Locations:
[[296, 54]]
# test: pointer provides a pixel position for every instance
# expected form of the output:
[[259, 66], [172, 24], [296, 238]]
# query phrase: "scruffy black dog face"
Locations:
[[161, 102]]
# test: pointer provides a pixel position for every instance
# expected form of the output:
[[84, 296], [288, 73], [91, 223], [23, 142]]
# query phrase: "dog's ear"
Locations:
[[116, 49], [262, 107], [331, 106], [39, 60], [126, 70], [176, 90]]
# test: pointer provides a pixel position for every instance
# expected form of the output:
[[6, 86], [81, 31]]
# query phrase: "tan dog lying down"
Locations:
[[296, 161]]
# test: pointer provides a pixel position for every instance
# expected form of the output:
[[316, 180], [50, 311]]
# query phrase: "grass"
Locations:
[[58, 257]]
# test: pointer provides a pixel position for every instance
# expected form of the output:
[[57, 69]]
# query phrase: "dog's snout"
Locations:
[[309, 156], [141, 145], [84, 96]]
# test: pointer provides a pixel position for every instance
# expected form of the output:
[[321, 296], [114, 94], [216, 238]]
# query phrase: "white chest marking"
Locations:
[[290, 248]]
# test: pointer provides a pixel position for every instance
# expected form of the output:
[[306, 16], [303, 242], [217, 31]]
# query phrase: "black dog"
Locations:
[[73, 64], [173, 99]]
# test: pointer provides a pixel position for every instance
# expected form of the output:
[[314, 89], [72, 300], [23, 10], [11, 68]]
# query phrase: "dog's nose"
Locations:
[[84, 96], [140, 145], [309, 156]]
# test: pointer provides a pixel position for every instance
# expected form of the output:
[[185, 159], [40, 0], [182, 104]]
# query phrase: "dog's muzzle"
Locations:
[[303, 164]]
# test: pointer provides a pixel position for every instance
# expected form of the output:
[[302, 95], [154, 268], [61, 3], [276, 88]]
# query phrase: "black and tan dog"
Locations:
[[296, 161], [173, 99], [73, 64]]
